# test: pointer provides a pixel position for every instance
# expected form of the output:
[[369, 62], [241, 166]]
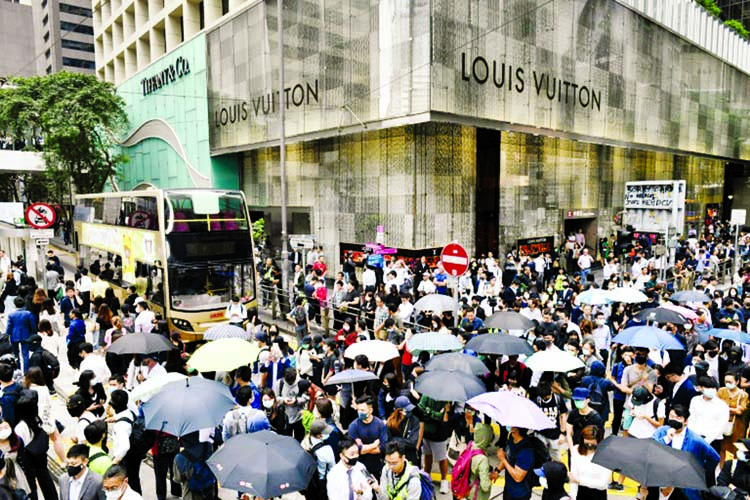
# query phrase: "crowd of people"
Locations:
[[381, 437]]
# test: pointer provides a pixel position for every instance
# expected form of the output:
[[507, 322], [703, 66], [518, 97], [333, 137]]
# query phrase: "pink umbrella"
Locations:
[[688, 313], [511, 409]]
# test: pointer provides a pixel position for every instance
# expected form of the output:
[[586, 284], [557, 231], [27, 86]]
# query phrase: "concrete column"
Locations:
[[211, 11], [190, 18], [172, 32]]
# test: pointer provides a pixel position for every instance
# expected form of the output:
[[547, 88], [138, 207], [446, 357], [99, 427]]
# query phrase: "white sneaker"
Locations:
[[444, 486]]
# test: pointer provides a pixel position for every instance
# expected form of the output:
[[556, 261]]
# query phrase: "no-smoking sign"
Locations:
[[40, 215]]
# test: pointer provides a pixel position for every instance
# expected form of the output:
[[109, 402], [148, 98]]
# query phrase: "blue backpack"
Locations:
[[201, 478], [428, 489]]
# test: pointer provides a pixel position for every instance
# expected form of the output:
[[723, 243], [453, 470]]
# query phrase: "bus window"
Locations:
[[195, 288], [139, 212], [197, 212]]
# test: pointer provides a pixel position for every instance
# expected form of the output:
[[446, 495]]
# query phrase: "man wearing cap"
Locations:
[[581, 417], [647, 412], [316, 444], [426, 286]]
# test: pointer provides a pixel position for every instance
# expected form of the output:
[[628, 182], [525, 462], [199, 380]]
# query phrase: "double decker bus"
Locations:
[[188, 251]]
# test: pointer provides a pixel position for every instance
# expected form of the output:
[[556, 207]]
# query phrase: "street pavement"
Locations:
[[64, 386]]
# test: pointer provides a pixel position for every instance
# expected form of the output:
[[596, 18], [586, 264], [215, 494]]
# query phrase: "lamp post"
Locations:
[[282, 152]]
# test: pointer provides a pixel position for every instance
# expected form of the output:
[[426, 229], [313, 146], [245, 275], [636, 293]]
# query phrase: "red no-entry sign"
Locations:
[[455, 259], [40, 215]]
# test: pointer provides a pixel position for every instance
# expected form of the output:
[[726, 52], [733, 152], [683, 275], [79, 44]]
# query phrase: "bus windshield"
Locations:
[[204, 211], [209, 287]]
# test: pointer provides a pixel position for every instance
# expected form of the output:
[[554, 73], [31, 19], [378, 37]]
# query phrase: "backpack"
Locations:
[[460, 486], [425, 481], [316, 488], [256, 363], [300, 315], [8, 404], [201, 478], [541, 457], [50, 365], [240, 422], [141, 439], [596, 398]]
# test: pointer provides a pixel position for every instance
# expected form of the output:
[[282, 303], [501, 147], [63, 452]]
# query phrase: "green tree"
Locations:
[[73, 119], [737, 26], [710, 6]]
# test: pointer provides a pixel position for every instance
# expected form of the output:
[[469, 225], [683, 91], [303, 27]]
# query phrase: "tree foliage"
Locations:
[[737, 26], [73, 119], [710, 6]]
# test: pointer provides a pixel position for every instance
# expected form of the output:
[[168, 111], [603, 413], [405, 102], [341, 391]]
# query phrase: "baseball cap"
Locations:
[[641, 395], [262, 337], [319, 426], [403, 403], [580, 393]]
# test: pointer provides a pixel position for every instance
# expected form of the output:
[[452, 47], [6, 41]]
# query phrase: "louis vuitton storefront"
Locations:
[[478, 121]]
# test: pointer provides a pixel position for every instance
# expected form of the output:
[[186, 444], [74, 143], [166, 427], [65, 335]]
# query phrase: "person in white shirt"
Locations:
[[4, 263], [611, 268], [95, 363], [426, 286], [602, 335], [322, 452], [707, 412], [236, 312], [405, 309], [588, 481], [642, 279], [144, 322], [584, 263], [149, 368], [115, 485], [349, 479], [369, 279], [122, 426], [648, 413]]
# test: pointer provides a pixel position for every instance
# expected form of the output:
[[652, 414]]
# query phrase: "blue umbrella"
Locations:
[[733, 335], [690, 296], [648, 336]]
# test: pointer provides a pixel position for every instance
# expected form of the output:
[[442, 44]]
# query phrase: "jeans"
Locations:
[[133, 467], [24, 352], [36, 470], [162, 467]]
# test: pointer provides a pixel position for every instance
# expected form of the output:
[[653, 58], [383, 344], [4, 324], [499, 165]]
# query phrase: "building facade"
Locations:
[[64, 36], [481, 122], [131, 34], [17, 40]]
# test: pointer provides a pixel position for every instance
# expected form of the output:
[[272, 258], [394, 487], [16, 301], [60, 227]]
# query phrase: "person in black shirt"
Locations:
[[581, 417], [554, 407]]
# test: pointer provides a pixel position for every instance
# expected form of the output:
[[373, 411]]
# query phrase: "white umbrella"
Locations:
[[594, 297], [553, 361], [145, 390], [378, 351], [627, 295], [433, 342], [436, 303]]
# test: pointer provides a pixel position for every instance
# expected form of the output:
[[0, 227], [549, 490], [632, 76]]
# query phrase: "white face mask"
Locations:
[[5, 433], [543, 482], [709, 393], [268, 403], [113, 495]]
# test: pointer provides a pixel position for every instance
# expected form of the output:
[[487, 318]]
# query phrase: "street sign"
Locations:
[[41, 242], [40, 215], [38, 234], [455, 259], [738, 217], [301, 240]]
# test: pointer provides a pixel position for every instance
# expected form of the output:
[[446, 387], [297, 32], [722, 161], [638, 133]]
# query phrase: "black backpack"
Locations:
[[50, 365], [141, 439], [597, 398], [541, 457], [316, 488]]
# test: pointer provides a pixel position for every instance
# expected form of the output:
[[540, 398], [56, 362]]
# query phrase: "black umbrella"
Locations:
[[661, 315], [650, 463], [263, 464], [444, 385], [690, 296], [499, 343], [456, 361], [140, 343], [508, 320]]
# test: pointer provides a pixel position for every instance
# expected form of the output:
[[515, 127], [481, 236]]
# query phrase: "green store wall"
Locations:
[[168, 143]]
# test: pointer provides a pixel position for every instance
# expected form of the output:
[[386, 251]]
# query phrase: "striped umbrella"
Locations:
[[226, 331]]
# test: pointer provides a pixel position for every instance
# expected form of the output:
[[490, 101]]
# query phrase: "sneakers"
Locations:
[[614, 485], [444, 486]]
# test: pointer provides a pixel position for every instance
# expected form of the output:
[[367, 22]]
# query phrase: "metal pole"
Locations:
[[282, 151], [736, 259]]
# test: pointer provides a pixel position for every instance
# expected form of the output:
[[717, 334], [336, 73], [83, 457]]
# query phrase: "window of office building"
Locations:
[[44, 3], [75, 10], [46, 36], [224, 7], [45, 19], [78, 28], [72, 44], [49, 70], [47, 53], [77, 63]]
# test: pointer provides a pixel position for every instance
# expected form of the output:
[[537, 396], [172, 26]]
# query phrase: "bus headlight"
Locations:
[[183, 325]]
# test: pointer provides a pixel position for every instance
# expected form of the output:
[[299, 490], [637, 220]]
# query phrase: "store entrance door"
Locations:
[[589, 227]]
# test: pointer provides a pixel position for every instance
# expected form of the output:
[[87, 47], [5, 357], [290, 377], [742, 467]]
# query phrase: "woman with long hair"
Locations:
[[103, 323], [403, 424], [40, 295], [111, 300], [115, 362], [275, 412], [10, 291], [49, 312], [34, 380], [10, 447], [588, 480], [92, 393], [36, 444], [389, 391]]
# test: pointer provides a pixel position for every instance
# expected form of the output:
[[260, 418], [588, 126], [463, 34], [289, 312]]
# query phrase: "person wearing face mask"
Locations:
[[293, 393], [552, 478], [316, 444], [737, 400], [735, 474], [98, 460], [371, 434], [581, 417], [349, 478], [677, 435], [588, 481], [602, 336], [717, 365], [618, 397], [553, 406], [115, 485], [708, 413], [275, 412], [80, 483], [682, 391]]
